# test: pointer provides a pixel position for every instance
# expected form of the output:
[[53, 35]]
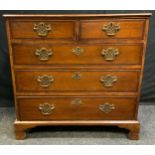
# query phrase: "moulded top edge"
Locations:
[[77, 15]]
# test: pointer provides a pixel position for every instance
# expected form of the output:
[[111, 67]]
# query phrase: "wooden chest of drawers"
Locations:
[[77, 69]]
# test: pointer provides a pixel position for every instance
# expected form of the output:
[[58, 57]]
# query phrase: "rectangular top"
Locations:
[[133, 15]]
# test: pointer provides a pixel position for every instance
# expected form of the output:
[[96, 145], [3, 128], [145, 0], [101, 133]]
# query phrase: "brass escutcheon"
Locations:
[[43, 54], [108, 80], [111, 28], [106, 107], [77, 76], [76, 101], [45, 80], [46, 108], [78, 51], [42, 29], [110, 54]]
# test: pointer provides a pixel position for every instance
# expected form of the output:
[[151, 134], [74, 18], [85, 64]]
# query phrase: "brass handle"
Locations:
[[106, 107], [42, 29], [111, 28], [109, 54], [76, 101], [77, 76], [78, 51], [43, 54], [45, 80], [108, 80], [46, 108]]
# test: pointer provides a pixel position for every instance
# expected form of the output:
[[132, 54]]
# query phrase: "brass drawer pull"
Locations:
[[42, 29], [77, 76], [45, 80], [78, 51], [108, 80], [111, 28], [110, 54], [106, 107], [46, 108], [43, 54], [76, 101]]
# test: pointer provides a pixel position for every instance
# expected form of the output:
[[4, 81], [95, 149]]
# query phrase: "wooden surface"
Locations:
[[90, 29], [24, 54], [84, 31], [59, 29], [129, 29], [132, 15], [64, 81], [131, 125], [67, 109]]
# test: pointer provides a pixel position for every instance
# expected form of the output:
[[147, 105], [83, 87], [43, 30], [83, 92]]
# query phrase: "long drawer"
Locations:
[[74, 108], [77, 80], [106, 54]]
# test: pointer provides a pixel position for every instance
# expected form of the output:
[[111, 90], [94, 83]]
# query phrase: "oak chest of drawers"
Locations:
[[77, 69]]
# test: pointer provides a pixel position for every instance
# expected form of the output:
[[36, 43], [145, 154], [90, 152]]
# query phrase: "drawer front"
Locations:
[[132, 29], [43, 29], [107, 54], [73, 108], [106, 81]]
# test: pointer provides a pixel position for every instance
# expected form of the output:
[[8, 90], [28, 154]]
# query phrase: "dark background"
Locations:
[[148, 85]]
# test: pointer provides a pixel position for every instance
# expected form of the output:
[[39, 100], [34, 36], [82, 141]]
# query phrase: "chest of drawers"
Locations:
[[77, 69]]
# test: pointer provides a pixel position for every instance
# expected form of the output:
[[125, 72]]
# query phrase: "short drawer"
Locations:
[[43, 29], [46, 54], [107, 81], [76, 108], [120, 29]]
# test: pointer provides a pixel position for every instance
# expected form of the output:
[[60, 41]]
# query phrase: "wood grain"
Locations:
[[91, 55], [59, 29], [130, 29], [26, 81], [67, 109], [132, 125]]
